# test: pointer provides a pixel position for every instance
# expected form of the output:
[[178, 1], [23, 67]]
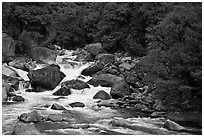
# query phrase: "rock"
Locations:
[[126, 66], [63, 91], [94, 48], [105, 58], [171, 125], [120, 89], [8, 72], [8, 48], [21, 128], [43, 55], [48, 77], [30, 90], [33, 116], [102, 95], [19, 63], [15, 83], [131, 78], [138, 85], [18, 99], [26, 84], [84, 56], [55, 117], [4, 94], [110, 70], [89, 71], [77, 104], [106, 80], [140, 107], [75, 84], [56, 106]]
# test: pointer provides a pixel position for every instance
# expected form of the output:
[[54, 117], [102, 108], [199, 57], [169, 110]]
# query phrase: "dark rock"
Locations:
[[77, 104], [33, 116], [56, 106], [107, 80], [89, 71], [131, 78], [43, 55], [15, 83], [110, 71], [39, 89], [55, 117], [48, 77], [120, 89], [8, 48], [171, 125], [94, 48], [18, 99], [63, 91], [21, 128], [75, 84], [105, 58], [26, 84], [102, 95]]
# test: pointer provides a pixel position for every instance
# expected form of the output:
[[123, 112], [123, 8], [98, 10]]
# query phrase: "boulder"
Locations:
[[102, 95], [94, 48], [55, 117], [84, 56], [43, 55], [56, 106], [33, 116], [8, 48], [77, 104], [110, 70], [120, 89], [105, 58], [106, 80], [19, 63], [63, 91], [171, 125], [107, 103], [89, 71], [75, 84], [18, 99], [4, 94], [126, 66], [48, 77], [21, 128], [15, 83], [131, 78], [8, 72]]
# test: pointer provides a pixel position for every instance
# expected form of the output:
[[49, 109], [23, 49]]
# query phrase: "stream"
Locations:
[[100, 119]]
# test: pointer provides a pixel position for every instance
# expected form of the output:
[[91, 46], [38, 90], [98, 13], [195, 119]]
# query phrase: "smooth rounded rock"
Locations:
[[56, 106], [102, 95], [77, 104], [33, 116], [63, 91]]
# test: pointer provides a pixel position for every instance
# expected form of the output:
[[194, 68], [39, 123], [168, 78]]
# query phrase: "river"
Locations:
[[98, 118]]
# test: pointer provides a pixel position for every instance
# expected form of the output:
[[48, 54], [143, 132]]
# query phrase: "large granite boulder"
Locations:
[[89, 71], [102, 95], [94, 48], [75, 84], [33, 116], [106, 80], [105, 58], [48, 77], [8, 48], [43, 55], [120, 89]]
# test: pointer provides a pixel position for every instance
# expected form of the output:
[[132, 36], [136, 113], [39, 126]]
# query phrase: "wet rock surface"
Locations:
[[75, 84]]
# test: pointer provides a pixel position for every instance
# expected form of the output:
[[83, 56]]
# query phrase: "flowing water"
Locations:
[[98, 118]]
